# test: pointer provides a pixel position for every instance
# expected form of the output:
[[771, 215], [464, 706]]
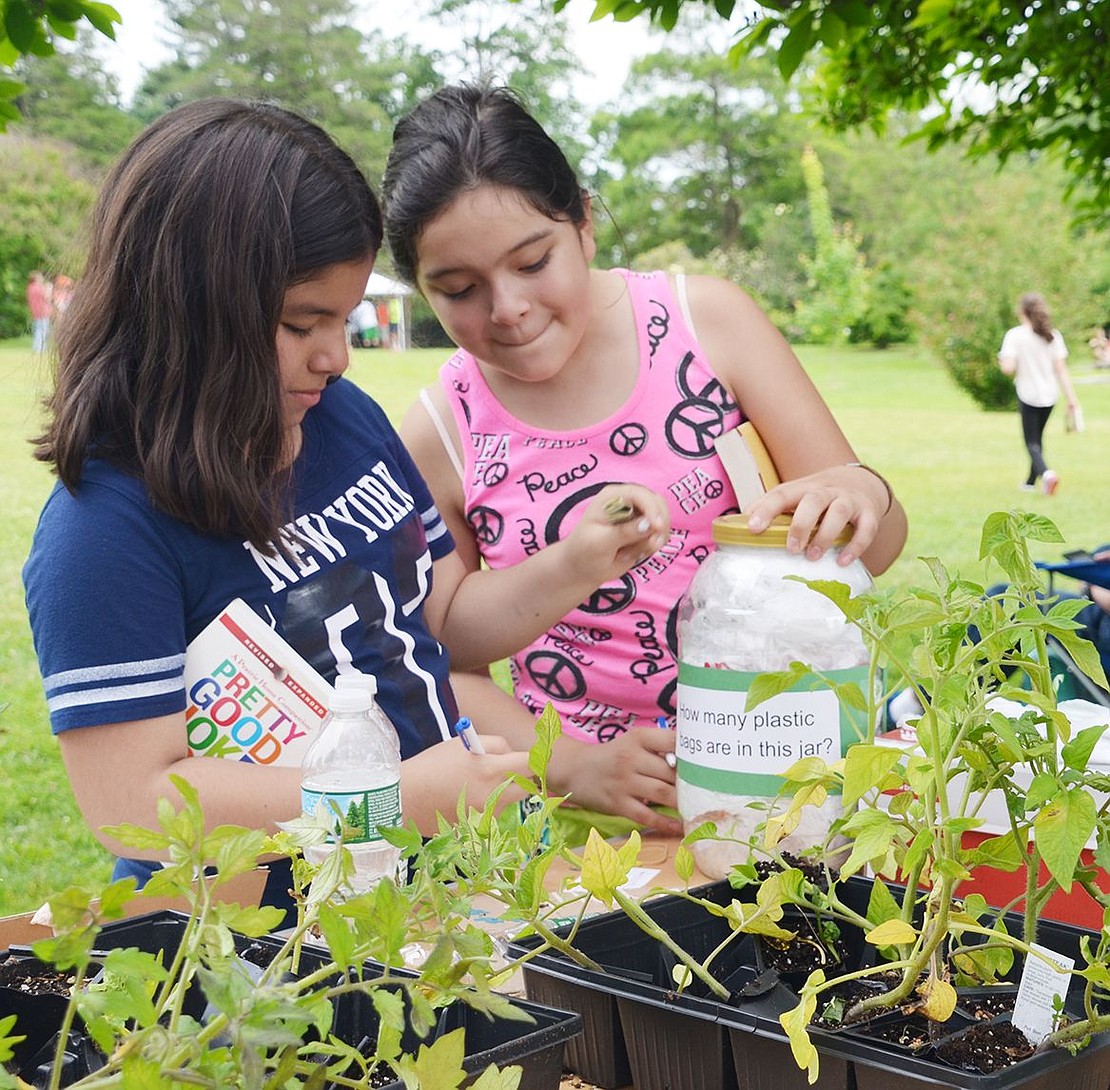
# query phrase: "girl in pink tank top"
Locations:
[[569, 379]]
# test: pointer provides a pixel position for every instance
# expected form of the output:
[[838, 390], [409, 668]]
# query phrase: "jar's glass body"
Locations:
[[741, 617]]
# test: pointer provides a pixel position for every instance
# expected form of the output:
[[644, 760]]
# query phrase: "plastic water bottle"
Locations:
[[355, 763]]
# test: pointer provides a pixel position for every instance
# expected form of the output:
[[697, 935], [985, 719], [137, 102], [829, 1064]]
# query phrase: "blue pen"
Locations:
[[469, 737]]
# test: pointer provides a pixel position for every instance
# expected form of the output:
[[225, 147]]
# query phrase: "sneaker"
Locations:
[[1027, 487], [1049, 482]]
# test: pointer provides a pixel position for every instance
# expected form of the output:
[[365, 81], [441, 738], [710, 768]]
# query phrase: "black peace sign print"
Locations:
[[487, 524], [555, 675], [494, 474], [672, 631], [693, 426], [703, 387], [628, 439], [554, 528], [606, 732], [611, 597], [666, 699], [714, 490]]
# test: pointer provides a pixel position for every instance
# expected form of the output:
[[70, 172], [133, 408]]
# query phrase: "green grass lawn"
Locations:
[[950, 464]]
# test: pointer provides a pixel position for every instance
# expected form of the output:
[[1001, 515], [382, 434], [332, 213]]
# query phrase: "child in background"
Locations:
[[569, 377], [1034, 354], [208, 449]]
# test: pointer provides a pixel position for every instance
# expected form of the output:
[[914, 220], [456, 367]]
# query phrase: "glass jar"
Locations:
[[741, 617]]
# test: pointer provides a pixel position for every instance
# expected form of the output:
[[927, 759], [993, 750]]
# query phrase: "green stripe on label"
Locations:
[[724, 747]]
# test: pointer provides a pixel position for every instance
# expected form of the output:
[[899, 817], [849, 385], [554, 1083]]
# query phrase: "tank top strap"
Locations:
[[440, 426]]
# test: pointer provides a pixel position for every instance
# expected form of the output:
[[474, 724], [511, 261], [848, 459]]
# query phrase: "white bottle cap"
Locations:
[[354, 692]]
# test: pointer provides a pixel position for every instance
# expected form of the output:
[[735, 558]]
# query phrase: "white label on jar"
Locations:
[[723, 747]]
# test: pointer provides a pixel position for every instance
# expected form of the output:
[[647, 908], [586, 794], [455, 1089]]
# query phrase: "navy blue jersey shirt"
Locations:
[[116, 589]]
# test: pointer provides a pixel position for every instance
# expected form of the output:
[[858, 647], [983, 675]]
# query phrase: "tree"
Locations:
[[44, 196], [968, 239], [706, 154], [524, 46], [1001, 77], [27, 27], [838, 277], [69, 96], [303, 54]]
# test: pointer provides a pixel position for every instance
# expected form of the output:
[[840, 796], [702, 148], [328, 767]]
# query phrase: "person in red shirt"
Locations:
[[38, 302]]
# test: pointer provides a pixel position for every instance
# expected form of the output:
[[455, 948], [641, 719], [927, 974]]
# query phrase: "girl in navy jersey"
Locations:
[[568, 377], [207, 449]]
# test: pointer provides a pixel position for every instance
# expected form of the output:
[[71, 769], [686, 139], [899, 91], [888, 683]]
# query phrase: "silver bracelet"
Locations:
[[886, 484]]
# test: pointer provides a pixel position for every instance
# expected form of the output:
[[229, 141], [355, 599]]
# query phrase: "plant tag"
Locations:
[[638, 878], [742, 464], [1040, 986]]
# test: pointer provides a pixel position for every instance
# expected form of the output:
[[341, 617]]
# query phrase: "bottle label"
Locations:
[[364, 811], [723, 747]]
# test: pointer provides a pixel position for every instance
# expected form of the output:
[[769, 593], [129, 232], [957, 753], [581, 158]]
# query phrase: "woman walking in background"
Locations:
[[1035, 355]]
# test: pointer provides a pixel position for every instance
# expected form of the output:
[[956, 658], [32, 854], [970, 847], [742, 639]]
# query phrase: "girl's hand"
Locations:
[[620, 528], [432, 781], [824, 505], [624, 777]]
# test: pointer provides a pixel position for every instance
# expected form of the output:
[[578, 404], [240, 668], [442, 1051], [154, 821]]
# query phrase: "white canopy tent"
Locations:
[[380, 286]]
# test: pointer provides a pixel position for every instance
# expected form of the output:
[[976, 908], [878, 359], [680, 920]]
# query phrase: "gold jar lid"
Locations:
[[733, 530]]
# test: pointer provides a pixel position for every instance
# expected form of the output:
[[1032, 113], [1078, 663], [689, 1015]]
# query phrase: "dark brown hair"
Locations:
[[1035, 309], [167, 361], [459, 138]]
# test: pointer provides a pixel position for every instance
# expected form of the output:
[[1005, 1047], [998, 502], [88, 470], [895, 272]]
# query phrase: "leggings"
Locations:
[[1033, 421]]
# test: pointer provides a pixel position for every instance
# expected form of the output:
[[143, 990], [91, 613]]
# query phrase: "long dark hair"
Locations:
[[461, 137], [167, 361], [1034, 308]]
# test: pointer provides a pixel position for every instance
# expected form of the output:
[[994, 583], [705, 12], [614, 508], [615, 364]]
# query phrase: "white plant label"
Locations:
[[1040, 984]]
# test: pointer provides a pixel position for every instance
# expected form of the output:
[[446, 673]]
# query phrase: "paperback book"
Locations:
[[250, 696]]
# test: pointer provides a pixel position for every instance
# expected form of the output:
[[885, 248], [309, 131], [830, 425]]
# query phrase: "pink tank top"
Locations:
[[610, 664]]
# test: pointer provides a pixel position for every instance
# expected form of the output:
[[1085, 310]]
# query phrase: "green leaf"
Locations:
[[604, 867], [1086, 657], [771, 684], [337, 934], [930, 12], [1061, 831], [548, 729], [21, 26], [102, 16], [796, 1020], [7, 1040], [808, 770], [250, 920], [1078, 751], [684, 863], [234, 850], [390, 1006], [796, 44], [919, 848], [1044, 787], [865, 768], [134, 836], [975, 904], [881, 905], [1000, 852], [856, 13], [438, 1066], [507, 1078], [893, 932], [872, 833], [139, 1073]]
